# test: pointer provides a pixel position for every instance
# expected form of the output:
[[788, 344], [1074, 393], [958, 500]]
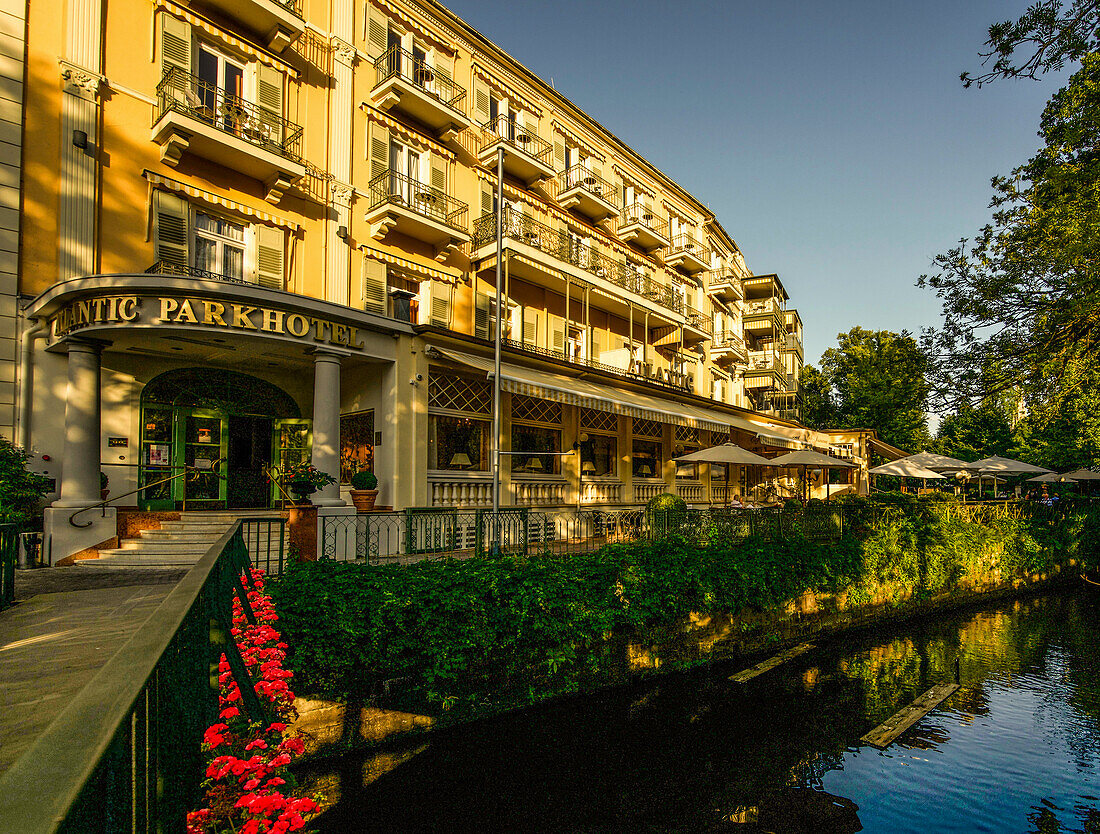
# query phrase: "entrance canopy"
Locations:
[[599, 397]]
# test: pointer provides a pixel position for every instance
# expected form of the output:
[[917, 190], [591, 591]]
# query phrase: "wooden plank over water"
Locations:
[[766, 665], [884, 734]]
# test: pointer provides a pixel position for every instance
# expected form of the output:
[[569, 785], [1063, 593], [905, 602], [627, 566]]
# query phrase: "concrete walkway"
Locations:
[[66, 623]]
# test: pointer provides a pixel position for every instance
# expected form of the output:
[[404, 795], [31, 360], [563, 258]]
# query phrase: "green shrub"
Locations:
[[666, 512], [364, 480], [21, 491]]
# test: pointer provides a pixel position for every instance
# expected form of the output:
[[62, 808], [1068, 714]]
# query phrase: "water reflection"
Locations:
[[1017, 748]]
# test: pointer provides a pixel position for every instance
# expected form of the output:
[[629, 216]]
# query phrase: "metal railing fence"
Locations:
[[685, 242], [580, 176], [518, 136], [9, 551], [190, 95], [396, 62], [559, 244], [643, 215], [400, 189], [126, 754]]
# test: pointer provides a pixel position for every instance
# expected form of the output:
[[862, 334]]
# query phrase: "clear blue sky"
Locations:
[[833, 140]]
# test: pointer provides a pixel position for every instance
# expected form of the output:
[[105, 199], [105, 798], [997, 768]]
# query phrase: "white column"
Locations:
[[80, 472], [326, 425]]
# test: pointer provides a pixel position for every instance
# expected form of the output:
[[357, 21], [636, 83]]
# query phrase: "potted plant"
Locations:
[[103, 481], [304, 479], [364, 490]]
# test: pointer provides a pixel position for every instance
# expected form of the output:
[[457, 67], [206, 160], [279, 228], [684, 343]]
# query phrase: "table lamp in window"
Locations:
[[588, 468], [645, 470], [461, 460], [534, 465]]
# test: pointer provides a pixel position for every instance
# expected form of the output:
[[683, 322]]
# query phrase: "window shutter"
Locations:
[[439, 173], [374, 286], [269, 257], [175, 44], [171, 228], [486, 199], [597, 345], [444, 65], [481, 101], [269, 96], [377, 30], [530, 327], [379, 150], [559, 152], [481, 315], [557, 334], [441, 304]]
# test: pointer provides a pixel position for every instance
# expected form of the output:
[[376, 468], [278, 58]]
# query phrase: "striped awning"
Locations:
[[219, 33], [409, 266], [588, 147], [769, 438], [407, 133], [509, 90], [161, 181], [588, 394]]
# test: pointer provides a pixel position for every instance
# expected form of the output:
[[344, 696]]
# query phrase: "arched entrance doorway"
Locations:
[[228, 425]]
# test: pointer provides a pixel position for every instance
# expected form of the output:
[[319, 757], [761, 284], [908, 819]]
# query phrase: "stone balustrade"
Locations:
[[539, 492], [461, 490]]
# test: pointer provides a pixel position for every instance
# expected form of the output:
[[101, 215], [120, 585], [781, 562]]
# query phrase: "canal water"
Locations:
[[1016, 749]]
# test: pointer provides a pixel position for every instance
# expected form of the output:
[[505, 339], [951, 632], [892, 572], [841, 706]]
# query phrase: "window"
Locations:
[[405, 165], [646, 459], [598, 455], [538, 445], [222, 85], [458, 443], [219, 246]]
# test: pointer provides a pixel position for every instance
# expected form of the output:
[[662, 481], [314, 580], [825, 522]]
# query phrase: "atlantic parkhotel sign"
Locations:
[[177, 310]]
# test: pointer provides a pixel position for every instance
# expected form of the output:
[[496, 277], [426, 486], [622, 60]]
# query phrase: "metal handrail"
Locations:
[[274, 475], [685, 242], [169, 268], [401, 189], [559, 244], [182, 92], [643, 215], [400, 63], [519, 136], [102, 505], [580, 176], [699, 320]]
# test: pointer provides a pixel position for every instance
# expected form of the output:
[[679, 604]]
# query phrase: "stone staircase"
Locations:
[[177, 544]]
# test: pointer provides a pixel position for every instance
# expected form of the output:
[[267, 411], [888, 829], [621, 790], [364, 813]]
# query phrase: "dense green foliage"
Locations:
[[21, 491], [483, 633], [874, 380]]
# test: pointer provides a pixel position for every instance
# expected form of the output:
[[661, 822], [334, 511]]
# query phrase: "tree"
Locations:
[[818, 411], [877, 381], [973, 433], [1049, 33], [21, 491], [1021, 302]]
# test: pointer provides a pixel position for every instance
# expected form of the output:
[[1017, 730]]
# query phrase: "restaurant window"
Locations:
[[646, 460], [458, 443], [538, 446], [599, 455]]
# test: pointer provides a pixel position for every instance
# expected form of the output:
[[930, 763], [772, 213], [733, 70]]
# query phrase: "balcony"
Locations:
[[687, 254], [640, 226], [725, 285], [592, 196], [765, 371], [208, 122], [728, 346], [562, 254], [527, 156], [278, 22], [764, 318], [405, 83], [698, 326], [400, 203]]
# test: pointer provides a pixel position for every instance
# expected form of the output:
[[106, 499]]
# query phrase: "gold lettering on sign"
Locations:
[[272, 321], [241, 317], [128, 308], [212, 313], [167, 307], [297, 325], [186, 313]]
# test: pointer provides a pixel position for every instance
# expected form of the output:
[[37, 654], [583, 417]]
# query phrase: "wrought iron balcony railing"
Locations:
[[518, 136], [558, 244], [399, 63], [729, 340], [764, 307], [402, 190], [684, 242], [698, 320], [167, 268], [292, 6], [190, 95], [580, 177], [645, 216]]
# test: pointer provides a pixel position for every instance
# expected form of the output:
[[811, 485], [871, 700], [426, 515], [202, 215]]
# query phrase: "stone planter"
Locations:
[[302, 524], [364, 499], [302, 492]]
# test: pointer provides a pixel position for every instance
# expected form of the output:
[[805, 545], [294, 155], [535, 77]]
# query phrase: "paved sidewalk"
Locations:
[[67, 622]]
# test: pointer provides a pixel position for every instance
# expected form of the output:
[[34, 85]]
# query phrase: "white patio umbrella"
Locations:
[[904, 468], [1052, 478], [997, 465], [1083, 475], [727, 454], [938, 463], [807, 458]]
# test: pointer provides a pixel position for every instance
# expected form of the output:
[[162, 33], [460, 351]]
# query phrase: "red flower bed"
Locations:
[[248, 784]]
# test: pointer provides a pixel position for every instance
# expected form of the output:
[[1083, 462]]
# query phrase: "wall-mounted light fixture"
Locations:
[[342, 233], [80, 139]]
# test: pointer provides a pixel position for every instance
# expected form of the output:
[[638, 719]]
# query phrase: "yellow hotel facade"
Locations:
[[259, 232]]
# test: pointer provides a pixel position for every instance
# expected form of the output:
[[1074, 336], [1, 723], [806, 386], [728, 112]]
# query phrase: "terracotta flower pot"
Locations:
[[364, 499]]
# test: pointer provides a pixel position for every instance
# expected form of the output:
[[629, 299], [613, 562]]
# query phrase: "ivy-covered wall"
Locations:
[[468, 637]]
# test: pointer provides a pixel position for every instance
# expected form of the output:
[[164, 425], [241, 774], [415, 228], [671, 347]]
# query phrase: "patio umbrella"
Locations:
[[997, 465], [727, 454], [1052, 478], [904, 468], [1082, 475], [938, 463], [807, 458]]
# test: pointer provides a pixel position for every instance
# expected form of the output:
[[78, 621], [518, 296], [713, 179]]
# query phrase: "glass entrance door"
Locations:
[[202, 448]]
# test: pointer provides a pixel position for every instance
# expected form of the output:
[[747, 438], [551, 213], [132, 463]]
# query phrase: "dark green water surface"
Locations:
[[1016, 749]]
